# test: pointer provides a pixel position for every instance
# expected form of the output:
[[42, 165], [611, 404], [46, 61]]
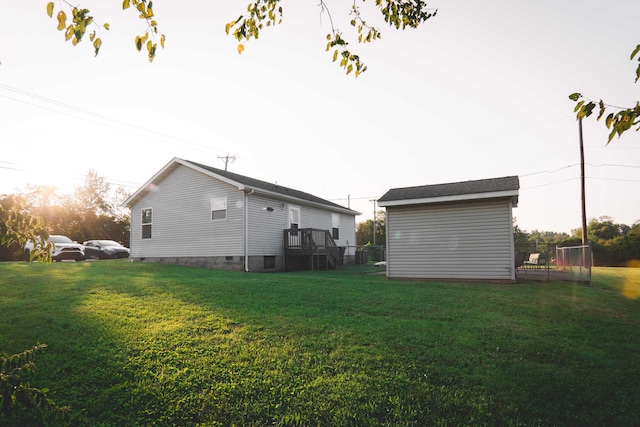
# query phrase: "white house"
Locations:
[[192, 214], [455, 231]]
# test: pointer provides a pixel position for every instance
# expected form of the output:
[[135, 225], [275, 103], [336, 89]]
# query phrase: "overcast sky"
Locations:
[[479, 91]]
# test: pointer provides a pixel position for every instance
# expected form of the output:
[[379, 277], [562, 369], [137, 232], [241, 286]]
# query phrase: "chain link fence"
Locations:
[[543, 261]]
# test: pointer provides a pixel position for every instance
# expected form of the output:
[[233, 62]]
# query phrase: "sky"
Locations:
[[479, 91]]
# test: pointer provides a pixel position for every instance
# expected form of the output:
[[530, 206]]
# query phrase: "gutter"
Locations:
[[513, 194]]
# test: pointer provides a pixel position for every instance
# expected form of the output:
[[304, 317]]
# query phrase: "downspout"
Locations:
[[246, 229], [512, 244]]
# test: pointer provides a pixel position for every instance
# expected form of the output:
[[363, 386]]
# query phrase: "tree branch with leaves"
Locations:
[[81, 21], [618, 121], [260, 14], [22, 226], [397, 13]]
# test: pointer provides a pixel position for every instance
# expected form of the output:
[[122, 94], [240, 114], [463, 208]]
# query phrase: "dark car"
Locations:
[[104, 249]]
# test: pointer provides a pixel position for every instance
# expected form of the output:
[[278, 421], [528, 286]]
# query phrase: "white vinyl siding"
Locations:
[[218, 208], [183, 200], [182, 225], [323, 220], [347, 233], [463, 240], [266, 227]]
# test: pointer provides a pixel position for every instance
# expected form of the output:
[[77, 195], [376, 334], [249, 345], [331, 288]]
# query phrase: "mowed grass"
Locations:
[[144, 344]]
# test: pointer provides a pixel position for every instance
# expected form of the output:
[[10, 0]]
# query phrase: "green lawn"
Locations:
[[133, 344]]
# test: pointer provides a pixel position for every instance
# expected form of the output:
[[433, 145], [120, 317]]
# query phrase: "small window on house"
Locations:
[[269, 262], [147, 215], [335, 226], [218, 208]]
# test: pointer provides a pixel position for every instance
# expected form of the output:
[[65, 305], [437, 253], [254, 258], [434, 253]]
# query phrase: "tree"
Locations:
[[603, 228], [613, 244], [93, 211], [260, 14], [20, 225], [92, 197], [619, 121], [364, 230], [520, 237]]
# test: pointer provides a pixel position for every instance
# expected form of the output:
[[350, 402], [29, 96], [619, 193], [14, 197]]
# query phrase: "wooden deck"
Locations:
[[310, 249]]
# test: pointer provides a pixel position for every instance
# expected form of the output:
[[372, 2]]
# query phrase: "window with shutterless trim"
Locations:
[[218, 208], [335, 226], [147, 221]]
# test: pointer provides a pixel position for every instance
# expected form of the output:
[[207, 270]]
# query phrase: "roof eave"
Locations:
[[454, 198], [135, 196], [300, 201]]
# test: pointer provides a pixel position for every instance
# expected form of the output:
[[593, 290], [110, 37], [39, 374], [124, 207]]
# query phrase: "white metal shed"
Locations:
[[454, 231]]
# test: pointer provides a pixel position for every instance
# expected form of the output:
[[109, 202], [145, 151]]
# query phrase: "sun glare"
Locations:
[[631, 283]]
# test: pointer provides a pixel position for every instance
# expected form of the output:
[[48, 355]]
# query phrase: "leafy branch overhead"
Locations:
[[82, 20], [260, 14], [618, 121], [397, 13]]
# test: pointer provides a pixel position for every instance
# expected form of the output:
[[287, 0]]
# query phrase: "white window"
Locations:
[[218, 208], [335, 226], [147, 221]]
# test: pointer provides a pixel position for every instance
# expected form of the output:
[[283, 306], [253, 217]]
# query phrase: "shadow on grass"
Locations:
[[143, 344]]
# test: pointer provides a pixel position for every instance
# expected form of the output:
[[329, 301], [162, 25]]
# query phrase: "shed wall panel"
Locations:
[[463, 240]]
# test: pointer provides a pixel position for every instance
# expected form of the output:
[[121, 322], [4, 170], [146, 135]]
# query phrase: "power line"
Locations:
[[613, 165], [576, 164], [105, 120]]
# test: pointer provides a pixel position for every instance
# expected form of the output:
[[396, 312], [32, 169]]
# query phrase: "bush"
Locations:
[[20, 403]]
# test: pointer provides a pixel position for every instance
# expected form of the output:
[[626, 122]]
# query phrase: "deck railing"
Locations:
[[312, 242]]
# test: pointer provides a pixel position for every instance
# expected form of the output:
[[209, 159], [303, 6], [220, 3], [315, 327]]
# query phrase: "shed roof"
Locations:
[[243, 183], [465, 190]]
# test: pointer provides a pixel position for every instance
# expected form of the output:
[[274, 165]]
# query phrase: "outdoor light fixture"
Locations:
[[268, 209]]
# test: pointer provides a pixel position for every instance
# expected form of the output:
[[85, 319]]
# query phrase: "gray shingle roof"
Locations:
[[267, 186], [509, 183]]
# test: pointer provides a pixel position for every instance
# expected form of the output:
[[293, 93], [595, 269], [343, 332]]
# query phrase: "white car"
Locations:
[[63, 248]]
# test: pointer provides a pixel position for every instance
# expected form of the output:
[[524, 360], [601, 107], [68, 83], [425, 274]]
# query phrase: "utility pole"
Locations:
[[586, 255], [226, 160], [584, 209], [374, 220]]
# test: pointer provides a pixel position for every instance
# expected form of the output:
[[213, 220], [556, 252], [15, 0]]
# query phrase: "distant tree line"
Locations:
[[93, 211], [613, 244]]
